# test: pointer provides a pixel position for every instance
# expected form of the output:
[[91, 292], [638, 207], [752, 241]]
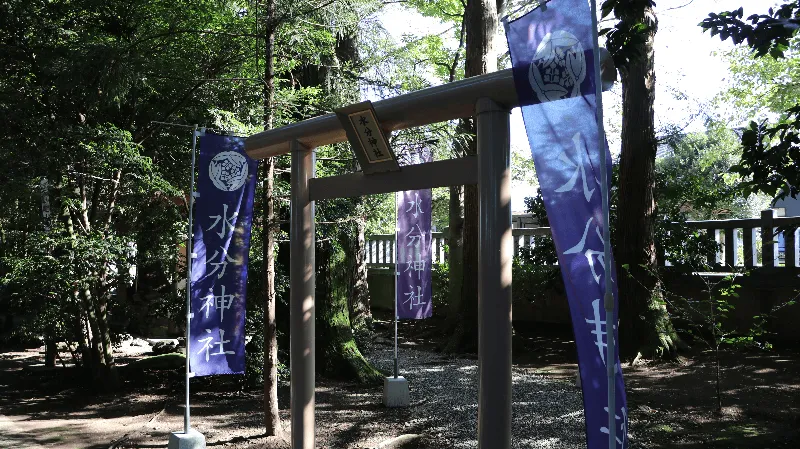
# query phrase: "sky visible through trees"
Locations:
[[690, 69]]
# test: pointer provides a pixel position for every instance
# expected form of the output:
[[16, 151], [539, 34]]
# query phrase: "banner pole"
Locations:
[[396, 281], [189, 256], [608, 300]]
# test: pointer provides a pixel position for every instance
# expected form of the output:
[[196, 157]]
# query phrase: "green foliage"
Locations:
[[414, 63], [338, 355], [533, 282], [771, 155], [706, 319], [770, 152], [686, 249], [80, 98], [761, 87], [766, 87], [532, 278], [696, 180], [446, 10], [37, 288], [759, 334], [440, 287], [522, 167], [767, 34], [693, 183], [630, 33]]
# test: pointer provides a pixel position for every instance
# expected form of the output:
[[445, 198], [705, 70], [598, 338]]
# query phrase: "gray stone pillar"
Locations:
[[494, 276], [301, 300]]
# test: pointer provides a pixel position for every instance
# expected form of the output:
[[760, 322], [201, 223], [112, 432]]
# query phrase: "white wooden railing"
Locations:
[[740, 240], [381, 251], [752, 242]]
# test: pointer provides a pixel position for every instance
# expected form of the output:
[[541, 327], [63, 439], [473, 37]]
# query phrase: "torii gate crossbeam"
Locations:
[[489, 99]]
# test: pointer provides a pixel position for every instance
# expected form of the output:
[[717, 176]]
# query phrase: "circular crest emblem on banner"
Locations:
[[228, 171], [558, 67]]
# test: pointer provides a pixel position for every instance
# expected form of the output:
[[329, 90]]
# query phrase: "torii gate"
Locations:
[[489, 98]]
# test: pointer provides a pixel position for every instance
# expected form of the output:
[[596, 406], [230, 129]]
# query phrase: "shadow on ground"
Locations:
[[672, 405]]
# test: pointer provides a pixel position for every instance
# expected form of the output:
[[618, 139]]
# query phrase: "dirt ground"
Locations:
[[672, 405]]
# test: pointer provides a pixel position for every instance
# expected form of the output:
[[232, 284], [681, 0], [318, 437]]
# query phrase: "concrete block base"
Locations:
[[395, 392], [191, 440]]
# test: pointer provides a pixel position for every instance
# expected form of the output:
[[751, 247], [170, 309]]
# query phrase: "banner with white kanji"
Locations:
[[552, 54], [413, 250], [223, 218]]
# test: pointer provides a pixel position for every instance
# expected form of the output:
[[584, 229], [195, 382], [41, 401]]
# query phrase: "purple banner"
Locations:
[[553, 64], [413, 251], [223, 217]]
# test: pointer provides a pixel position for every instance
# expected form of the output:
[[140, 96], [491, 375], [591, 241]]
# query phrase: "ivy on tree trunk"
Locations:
[[338, 356], [645, 325], [358, 295]]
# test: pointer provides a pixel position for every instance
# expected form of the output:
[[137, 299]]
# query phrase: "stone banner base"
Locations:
[[191, 440], [395, 392]]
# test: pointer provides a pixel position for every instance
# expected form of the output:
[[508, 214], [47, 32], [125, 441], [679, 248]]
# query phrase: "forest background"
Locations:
[[98, 100]]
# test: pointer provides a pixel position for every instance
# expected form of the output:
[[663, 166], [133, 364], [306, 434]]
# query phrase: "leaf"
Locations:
[[607, 8]]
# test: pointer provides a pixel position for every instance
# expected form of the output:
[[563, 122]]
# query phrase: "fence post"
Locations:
[[370, 259], [711, 257], [767, 242], [749, 249], [790, 254], [730, 247]]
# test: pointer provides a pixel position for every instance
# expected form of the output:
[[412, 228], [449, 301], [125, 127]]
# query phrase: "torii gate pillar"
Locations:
[[302, 269], [494, 276], [490, 170]]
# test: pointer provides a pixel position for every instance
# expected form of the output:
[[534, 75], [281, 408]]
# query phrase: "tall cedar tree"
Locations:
[[645, 325], [272, 420], [481, 21]]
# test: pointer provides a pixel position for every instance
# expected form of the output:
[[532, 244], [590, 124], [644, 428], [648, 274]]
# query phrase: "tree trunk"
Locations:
[[78, 327], [481, 28], [272, 420], [338, 356], [455, 237], [104, 375], [91, 320], [50, 345], [645, 325], [50, 353], [359, 308], [455, 255], [101, 311]]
